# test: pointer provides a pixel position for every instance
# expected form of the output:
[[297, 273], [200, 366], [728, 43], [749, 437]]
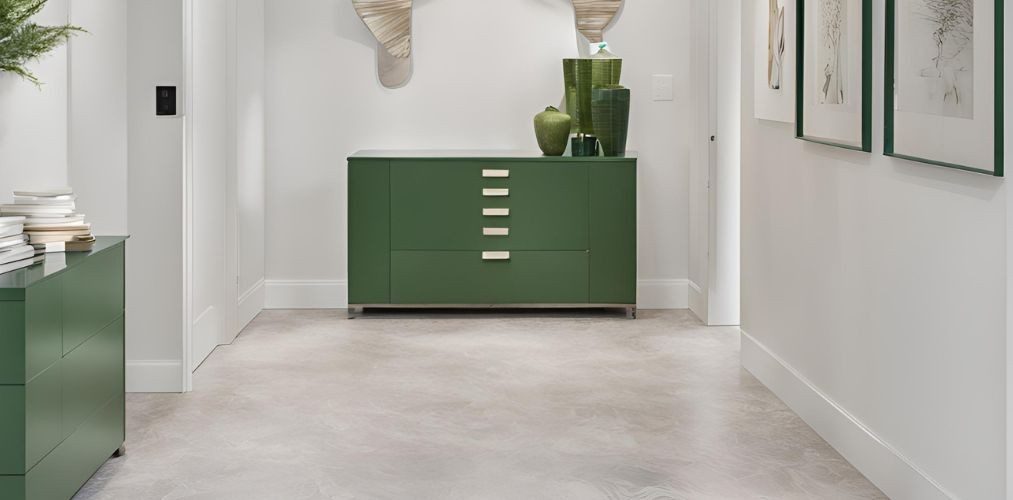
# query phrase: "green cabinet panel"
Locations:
[[43, 415], [43, 326], [12, 342], [439, 206], [61, 359], [91, 375], [463, 277], [369, 231], [93, 297], [12, 430], [68, 467], [614, 234], [12, 487]]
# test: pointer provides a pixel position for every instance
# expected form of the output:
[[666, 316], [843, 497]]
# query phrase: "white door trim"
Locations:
[[188, 125]]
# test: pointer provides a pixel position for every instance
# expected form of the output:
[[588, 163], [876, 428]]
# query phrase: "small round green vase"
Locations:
[[552, 129]]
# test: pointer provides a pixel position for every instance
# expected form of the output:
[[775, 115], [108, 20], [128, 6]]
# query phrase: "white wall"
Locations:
[[73, 130], [98, 114], [874, 302], [483, 69], [33, 121], [250, 157], [195, 185], [155, 256]]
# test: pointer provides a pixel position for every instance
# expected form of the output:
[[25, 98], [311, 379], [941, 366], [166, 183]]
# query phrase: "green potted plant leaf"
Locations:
[[23, 41]]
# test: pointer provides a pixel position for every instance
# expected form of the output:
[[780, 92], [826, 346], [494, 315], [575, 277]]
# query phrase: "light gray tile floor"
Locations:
[[481, 405]]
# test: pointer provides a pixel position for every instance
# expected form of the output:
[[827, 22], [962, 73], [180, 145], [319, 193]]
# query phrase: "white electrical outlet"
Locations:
[[663, 88]]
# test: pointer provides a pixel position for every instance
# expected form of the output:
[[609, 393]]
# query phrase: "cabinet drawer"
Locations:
[[461, 205], [464, 277]]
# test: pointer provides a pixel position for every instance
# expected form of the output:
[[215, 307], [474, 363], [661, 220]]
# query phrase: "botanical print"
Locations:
[[832, 51], [775, 44], [935, 58]]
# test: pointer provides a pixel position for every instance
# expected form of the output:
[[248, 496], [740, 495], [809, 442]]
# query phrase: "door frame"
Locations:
[[230, 285], [716, 301]]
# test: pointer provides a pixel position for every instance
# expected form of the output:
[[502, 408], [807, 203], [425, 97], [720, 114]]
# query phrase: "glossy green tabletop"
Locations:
[[15, 281], [480, 155]]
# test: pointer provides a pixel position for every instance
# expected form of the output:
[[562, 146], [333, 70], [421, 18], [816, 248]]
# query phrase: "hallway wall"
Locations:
[[874, 301], [155, 315], [97, 116], [483, 69], [73, 129]]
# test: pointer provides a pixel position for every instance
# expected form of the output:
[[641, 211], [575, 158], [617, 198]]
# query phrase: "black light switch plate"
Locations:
[[165, 101]]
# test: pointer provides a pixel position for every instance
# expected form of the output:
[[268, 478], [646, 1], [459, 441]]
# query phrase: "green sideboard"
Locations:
[[467, 229], [61, 371]]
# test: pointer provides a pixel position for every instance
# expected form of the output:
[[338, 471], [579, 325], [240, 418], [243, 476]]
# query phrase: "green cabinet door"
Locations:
[[43, 326], [614, 233], [92, 297], [368, 232], [442, 205], [463, 277]]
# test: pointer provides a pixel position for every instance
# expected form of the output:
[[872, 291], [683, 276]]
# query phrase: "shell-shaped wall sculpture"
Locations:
[[391, 24], [593, 16]]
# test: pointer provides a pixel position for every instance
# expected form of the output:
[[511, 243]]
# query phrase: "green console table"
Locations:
[[61, 372], [484, 229]]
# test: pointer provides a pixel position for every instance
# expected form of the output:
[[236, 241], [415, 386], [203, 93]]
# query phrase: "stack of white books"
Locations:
[[15, 252], [51, 223]]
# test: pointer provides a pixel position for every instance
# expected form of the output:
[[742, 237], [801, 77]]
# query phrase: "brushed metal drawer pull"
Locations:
[[495, 255], [495, 231], [495, 192], [496, 212], [495, 174]]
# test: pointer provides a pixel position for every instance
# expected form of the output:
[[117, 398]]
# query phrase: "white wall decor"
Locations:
[[776, 44], [593, 16], [774, 52], [390, 21]]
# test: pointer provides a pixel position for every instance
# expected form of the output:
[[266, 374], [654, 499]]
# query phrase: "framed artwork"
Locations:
[[774, 60], [833, 103], [944, 83]]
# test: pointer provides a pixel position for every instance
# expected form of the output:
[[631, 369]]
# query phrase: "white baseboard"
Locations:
[[698, 301], [155, 376], [333, 294], [663, 294], [886, 467], [250, 304]]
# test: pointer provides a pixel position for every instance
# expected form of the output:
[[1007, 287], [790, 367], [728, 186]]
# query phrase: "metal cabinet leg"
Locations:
[[631, 312]]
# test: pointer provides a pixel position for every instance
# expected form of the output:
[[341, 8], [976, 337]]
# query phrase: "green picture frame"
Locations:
[[890, 80], [866, 64]]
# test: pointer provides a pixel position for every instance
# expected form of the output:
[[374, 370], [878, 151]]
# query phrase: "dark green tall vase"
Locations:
[[579, 77], [610, 109]]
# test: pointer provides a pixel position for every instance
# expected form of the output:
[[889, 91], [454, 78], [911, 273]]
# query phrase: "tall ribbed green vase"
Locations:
[[580, 76], [610, 111]]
